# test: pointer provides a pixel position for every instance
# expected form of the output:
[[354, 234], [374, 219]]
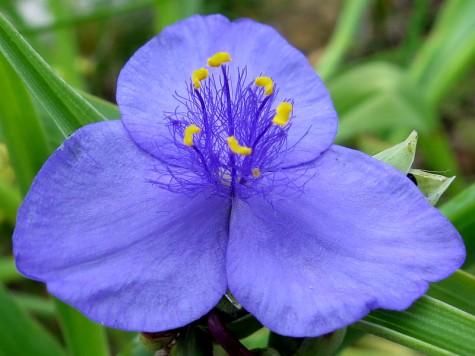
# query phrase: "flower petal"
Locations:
[[164, 65], [114, 245], [360, 236]]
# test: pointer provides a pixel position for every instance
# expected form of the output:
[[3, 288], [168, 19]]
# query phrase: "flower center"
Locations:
[[227, 130]]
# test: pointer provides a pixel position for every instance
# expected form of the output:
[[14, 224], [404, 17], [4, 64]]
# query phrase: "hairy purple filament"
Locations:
[[224, 106]]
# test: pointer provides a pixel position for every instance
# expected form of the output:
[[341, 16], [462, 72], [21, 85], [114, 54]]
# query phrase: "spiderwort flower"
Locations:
[[222, 175]]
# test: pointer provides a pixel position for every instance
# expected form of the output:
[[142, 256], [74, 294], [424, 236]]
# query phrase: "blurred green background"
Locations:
[[391, 67]]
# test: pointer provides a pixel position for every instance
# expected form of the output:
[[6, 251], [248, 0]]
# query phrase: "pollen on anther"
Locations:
[[218, 59], [188, 135], [197, 76], [265, 82], [282, 114], [235, 147], [256, 172]]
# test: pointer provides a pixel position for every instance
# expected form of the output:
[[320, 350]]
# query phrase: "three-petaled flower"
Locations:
[[221, 176]]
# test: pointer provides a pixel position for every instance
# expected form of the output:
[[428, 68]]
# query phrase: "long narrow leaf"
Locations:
[[429, 325], [67, 108], [22, 130], [458, 290], [344, 34], [449, 51]]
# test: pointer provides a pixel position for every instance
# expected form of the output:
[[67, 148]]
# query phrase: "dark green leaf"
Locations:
[[20, 334]]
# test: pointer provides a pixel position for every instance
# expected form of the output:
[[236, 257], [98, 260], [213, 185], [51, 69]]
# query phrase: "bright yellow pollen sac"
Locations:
[[256, 172], [197, 76], [282, 114], [237, 148], [218, 59], [265, 82], [189, 132]]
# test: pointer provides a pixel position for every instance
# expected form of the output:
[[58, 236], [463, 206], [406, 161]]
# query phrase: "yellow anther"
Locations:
[[256, 172], [189, 132], [237, 148], [197, 76], [218, 59], [282, 114], [265, 82]]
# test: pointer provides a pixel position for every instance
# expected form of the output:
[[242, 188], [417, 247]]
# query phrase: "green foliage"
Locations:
[[20, 334]]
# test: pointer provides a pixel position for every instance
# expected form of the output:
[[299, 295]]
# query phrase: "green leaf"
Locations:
[[429, 325], [67, 108], [244, 326], [106, 108], [168, 12], [460, 210], [22, 130], [65, 52], [20, 334], [402, 155], [83, 336], [375, 98], [432, 185], [10, 200], [8, 271], [342, 37], [458, 290], [449, 52]]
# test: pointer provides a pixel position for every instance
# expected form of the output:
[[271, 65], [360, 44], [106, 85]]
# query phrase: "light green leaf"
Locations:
[[8, 271], [20, 334], [22, 130], [432, 185], [375, 98], [343, 36], [402, 155], [10, 200], [67, 108]]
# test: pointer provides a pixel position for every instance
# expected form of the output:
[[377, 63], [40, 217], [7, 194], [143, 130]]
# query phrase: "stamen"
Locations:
[[282, 114], [218, 59], [237, 148], [197, 76], [189, 132], [256, 172], [265, 82]]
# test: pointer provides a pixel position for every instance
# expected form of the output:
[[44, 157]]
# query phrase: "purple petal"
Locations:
[[164, 65], [359, 236], [106, 240]]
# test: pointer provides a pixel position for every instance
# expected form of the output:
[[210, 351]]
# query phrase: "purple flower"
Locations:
[[221, 176]]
